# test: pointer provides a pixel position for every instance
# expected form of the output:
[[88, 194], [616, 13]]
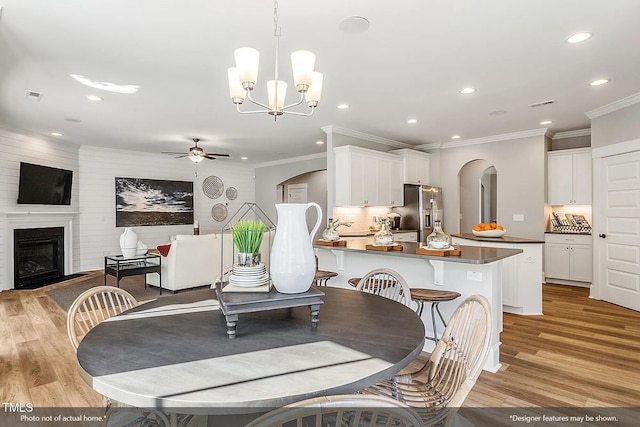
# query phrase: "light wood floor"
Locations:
[[581, 353]]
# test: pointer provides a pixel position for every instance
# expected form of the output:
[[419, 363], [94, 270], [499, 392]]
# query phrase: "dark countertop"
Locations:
[[470, 254], [503, 239], [368, 233]]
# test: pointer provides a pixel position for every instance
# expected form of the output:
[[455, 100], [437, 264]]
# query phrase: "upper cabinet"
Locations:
[[569, 177], [416, 166], [367, 177]]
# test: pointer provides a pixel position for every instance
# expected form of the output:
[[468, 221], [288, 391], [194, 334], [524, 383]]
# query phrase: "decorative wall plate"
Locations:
[[231, 193], [213, 187], [219, 212]]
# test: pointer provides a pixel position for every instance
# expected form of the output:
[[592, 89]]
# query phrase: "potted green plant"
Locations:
[[247, 236]]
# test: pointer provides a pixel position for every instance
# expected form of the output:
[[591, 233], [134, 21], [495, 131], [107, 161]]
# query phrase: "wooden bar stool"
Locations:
[[435, 297], [322, 276]]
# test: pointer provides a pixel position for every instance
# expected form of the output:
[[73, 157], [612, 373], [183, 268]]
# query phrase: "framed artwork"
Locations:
[[142, 201]]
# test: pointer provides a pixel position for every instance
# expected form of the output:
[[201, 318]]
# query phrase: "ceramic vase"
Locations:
[[128, 242], [293, 262]]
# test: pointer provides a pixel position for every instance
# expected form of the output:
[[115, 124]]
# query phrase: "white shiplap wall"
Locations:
[[15, 148], [100, 166]]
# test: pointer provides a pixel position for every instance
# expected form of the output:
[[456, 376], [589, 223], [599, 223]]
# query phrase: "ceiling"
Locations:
[[412, 62]]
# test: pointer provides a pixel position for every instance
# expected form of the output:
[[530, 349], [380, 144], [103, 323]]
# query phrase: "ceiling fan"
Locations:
[[196, 154]]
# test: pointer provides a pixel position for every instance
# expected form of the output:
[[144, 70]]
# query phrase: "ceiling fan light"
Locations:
[[196, 158], [247, 60], [303, 62], [236, 91], [313, 95], [279, 96]]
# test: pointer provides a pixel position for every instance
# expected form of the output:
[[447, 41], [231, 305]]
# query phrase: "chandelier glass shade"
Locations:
[[244, 77]]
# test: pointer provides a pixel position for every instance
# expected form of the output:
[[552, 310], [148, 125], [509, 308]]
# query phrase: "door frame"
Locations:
[[598, 155]]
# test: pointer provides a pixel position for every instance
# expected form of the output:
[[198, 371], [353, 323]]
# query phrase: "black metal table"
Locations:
[[233, 304], [119, 267]]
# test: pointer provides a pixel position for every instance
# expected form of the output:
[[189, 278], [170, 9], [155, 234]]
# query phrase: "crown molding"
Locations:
[[365, 136], [485, 140], [291, 160], [572, 134], [614, 106]]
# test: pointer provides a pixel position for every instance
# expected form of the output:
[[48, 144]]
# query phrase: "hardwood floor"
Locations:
[[581, 353]]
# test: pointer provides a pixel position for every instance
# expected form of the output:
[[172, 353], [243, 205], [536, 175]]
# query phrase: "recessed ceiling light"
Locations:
[[467, 90], [319, 142], [354, 25], [343, 106], [546, 122], [578, 37], [599, 82], [412, 121], [111, 87], [94, 98], [455, 137], [56, 134], [243, 158]]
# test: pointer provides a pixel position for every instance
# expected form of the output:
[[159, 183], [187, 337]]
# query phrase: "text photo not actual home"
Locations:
[[153, 202]]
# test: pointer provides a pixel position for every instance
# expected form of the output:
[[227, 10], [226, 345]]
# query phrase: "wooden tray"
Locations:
[[439, 252], [384, 248], [333, 243]]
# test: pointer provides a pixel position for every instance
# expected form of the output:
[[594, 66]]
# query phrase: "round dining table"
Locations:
[[173, 354]]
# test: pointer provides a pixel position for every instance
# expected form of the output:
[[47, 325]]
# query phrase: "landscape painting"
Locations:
[[142, 201]]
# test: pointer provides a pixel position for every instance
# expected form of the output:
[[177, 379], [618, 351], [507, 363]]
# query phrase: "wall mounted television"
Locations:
[[44, 185]]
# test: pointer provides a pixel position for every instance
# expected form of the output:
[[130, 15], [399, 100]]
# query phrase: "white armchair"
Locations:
[[192, 261]]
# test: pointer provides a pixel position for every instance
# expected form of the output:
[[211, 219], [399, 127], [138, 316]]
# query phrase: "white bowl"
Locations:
[[489, 233]]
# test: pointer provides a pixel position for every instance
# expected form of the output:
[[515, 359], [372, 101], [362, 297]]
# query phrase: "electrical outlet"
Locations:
[[529, 260], [474, 276], [518, 217]]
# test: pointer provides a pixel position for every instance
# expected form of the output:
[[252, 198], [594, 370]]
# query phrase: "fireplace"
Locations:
[[38, 255]]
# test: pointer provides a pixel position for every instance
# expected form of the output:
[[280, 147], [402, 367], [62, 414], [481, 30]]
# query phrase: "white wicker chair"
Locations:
[[89, 309], [387, 283], [342, 410], [442, 385], [94, 306]]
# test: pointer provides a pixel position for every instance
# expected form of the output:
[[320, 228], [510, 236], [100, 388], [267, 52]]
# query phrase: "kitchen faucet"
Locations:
[[335, 224]]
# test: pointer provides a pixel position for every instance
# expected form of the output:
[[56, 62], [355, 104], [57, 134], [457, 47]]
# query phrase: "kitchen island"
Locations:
[[522, 275], [478, 270]]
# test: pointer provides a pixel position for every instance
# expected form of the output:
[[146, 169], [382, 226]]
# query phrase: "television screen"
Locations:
[[44, 185]]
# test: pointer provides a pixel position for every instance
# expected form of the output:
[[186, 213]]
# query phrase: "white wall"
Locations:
[[15, 148], [100, 166]]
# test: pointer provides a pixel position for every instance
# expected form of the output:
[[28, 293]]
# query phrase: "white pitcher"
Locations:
[[293, 262]]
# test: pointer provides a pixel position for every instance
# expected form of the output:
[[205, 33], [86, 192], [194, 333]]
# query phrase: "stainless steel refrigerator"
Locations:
[[422, 206]]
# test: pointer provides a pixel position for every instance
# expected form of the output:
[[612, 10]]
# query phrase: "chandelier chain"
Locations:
[[276, 29]]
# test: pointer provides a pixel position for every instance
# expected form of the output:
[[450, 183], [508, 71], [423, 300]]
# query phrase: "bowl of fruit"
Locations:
[[488, 229]]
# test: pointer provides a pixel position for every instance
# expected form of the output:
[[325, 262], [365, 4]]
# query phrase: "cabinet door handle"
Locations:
[[603, 236]]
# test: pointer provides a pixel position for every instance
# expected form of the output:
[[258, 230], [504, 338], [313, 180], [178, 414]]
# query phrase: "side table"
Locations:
[[119, 267]]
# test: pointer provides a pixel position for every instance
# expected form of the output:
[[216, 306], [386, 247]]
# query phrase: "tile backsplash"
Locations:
[[362, 218]]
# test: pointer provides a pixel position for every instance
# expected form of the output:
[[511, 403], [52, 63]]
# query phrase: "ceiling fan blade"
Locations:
[[217, 155], [208, 156], [172, 152]]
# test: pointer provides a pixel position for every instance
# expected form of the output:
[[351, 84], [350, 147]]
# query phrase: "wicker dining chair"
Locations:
[[89, 309], [441, 386], [341, 410], [94, 306], [387, 283]]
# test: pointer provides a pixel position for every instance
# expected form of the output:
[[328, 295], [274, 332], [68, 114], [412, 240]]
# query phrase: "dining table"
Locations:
[[172, 354]]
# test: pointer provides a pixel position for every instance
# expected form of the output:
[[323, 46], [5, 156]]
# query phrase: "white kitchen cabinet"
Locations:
[[367, 178], [569, 177], [405, 236], [416, 166], [569, 258]]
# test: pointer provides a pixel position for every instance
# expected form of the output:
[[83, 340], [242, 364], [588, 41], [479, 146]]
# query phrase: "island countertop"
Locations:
[[503, 239], [469, 254]]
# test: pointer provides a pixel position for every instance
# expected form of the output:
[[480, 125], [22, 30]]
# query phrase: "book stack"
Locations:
[[568, 222]]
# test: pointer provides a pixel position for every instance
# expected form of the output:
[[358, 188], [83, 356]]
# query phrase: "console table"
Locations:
[[119, 267]]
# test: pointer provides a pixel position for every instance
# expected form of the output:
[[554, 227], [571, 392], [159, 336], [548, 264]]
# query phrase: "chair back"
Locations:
[[387, 283], [94, 306], [341, 410], [461, 352]]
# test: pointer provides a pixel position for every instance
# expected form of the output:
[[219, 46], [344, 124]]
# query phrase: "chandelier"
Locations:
[[243, 78]]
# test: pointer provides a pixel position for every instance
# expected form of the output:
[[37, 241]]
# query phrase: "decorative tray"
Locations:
[[331, 242], [439, 252], [384, 248]]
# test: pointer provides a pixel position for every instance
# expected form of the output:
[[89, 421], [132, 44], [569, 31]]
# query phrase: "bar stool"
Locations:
[[435, 297], [322, 276]]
